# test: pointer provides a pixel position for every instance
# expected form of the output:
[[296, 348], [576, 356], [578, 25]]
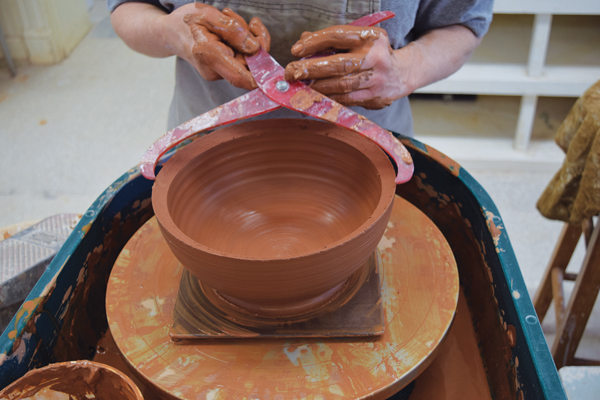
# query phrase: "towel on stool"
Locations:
[[573, 195]]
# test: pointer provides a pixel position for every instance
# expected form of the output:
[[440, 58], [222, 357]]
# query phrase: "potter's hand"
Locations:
[[218, 42], [368, 73]]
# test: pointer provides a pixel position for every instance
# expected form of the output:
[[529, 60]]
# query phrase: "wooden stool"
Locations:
[[573, 196], [571, 321]]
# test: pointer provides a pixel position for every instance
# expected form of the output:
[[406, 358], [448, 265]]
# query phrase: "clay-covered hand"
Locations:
[[221, 39], [365, 72]]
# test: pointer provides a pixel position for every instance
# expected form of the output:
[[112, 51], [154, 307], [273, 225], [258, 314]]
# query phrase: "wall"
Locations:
[[43, 32]]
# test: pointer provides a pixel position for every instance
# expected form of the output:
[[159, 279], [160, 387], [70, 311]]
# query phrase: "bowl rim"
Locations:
[[220, 136]]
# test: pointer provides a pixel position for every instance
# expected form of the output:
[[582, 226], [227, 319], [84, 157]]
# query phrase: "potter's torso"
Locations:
[[287, 19]]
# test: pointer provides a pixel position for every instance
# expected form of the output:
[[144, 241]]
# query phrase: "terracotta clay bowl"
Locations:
[[275, 215], [73, 380]]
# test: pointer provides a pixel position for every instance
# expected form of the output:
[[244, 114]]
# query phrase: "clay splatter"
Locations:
[[304, 99]]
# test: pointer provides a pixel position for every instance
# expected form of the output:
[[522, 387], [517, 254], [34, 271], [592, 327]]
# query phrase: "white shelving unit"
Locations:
[[534, 77]]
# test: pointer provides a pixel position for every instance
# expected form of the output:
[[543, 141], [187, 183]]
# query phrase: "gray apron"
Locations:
[[285, 20]]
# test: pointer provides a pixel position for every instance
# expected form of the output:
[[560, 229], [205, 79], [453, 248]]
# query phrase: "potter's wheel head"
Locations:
[[275, 211]]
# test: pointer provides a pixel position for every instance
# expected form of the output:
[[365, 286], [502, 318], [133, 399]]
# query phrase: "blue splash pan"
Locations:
[[64, 315]]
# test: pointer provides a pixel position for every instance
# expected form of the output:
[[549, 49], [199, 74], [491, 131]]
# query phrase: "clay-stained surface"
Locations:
[[275, 213], [452, 166], [83, 323], [73, 380], [458, 221], [303, 100], [419, 291], [108, 353], [461, 219], [457, 373]]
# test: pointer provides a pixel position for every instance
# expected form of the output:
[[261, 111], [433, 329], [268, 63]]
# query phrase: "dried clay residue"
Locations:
[[332, 114], [511, 333], [495, 230], [443, 199], [474, 260], [304, 99], [444, 160], [83, 320], [27, 315], [26, 310]]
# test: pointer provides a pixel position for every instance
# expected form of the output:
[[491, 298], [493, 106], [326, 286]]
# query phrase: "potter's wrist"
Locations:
[[405, 71], [172, 34]]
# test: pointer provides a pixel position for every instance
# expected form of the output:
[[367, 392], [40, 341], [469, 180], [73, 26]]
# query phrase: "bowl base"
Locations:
[[352, 309], [289, 313]]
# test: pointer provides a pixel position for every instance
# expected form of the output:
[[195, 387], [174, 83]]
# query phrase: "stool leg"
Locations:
[[588, 228], [581, 302], [560, 259], [558, 294]]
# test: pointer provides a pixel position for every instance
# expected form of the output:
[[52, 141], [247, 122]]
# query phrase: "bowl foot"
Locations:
[[201, 311], [269, 315]]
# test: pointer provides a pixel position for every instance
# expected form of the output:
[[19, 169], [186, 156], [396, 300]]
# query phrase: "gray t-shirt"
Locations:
[[287, 19]]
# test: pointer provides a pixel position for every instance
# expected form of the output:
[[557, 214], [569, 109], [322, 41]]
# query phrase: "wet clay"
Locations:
[[218, 37], [75, 379], [255, 26], [419, 293], [358, 40], [337, 75], [275, 212]]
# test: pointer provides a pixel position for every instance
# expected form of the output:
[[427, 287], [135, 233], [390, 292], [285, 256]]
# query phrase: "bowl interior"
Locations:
[[274, 195]]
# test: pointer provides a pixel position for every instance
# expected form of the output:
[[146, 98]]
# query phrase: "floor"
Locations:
[[68, 131]]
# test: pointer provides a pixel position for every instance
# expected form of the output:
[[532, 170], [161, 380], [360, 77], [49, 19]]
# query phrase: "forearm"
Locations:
[[142, 27], [434, 56]]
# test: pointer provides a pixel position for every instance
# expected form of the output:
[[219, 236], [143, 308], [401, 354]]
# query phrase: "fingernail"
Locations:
[[297, 48], [298, 74]]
